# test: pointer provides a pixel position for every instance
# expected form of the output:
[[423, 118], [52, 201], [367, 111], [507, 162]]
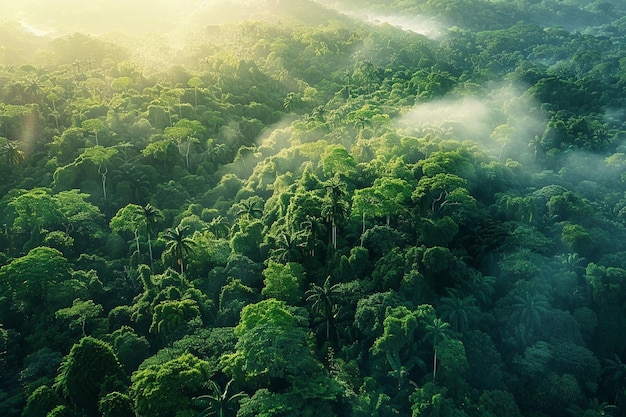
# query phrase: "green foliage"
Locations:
[[90, 371], [42, 267], [167, 389], [42, 401], [402, 216], [80, 312], [282, 282], [116, 404], [220, 402], [130, 348]]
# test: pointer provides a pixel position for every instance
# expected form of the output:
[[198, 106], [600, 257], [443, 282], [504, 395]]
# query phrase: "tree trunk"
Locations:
[[150, 251], [137, 242]]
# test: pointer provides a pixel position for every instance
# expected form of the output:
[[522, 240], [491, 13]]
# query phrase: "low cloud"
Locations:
[[420, 24], [503, 121]]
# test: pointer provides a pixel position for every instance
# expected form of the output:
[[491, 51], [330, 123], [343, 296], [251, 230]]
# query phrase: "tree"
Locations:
[[116, 404], [459, 312], [90, 371], [151, 217], [436, 331], [43, 400], [530, 308], [335, 206], [178, 245], [499, 404], [79, 215], [94, 126], [283, 281], [397, 342], [35, 210], [271, 344], [250, 208], [185, 130], [273, 351], [337, 161], [219, 227], [289, 247], [431, 400], [81, 312], [393, 192], [439, 191], [196, 83], [131, 349], [220, 403], [366, 202], [325, 300], [127, 219], [615, 370], [11, 153], [170, 315], [167, 389], [30, 278], [97, 155]]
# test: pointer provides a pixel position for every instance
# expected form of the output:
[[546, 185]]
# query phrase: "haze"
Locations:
[[134, 17]]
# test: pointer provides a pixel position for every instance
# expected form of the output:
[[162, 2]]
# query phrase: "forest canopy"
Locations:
[[297, 208]]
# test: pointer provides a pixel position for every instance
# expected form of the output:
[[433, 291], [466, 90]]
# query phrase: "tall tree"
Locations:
[[324, 301], [178, 245], [335, 205], [151, 216], [436, 331]]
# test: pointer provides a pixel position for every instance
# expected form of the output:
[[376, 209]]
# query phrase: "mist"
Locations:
[[99, 17], [423, 25], [502, 120]]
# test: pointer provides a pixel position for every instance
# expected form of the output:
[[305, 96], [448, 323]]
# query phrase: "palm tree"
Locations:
[[292, 101], [459, 312], [324, 300], [11, 154], [151, 216], [311, 227], [335, 207], [219, 227], [220, 403], [289, 247], [33, 87], [594, 409], [481, 287], [529, 309], [250, 208], [615, 371], [178, 245], [437, 331], [573, 262]]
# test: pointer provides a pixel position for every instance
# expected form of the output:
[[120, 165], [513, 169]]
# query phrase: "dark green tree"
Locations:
[[88, 372], [324, 301], [178, 245]]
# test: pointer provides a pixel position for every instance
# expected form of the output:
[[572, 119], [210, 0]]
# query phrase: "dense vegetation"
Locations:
[[293, 218]]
